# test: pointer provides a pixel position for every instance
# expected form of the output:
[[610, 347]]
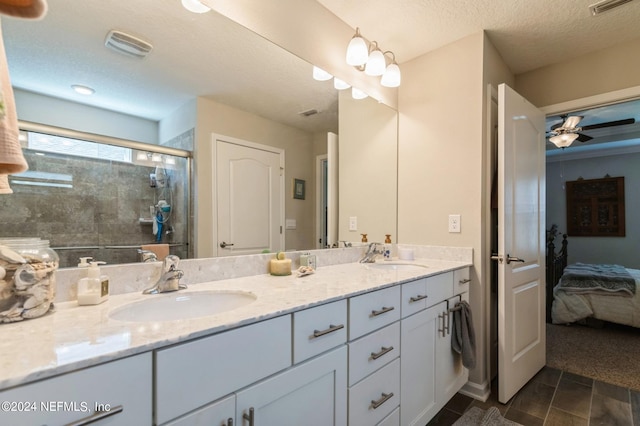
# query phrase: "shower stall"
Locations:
[[100, 197]]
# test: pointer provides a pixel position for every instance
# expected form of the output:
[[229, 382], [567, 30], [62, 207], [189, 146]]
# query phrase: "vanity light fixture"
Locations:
[[563, 140], [376, 64], [83, 90], [372, 60], [357, 93], [320, 74], [339, 84], [391, 76], [195, 6]]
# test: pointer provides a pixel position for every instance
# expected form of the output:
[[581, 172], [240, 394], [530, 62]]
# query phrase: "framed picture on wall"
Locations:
[[298, 189], [595, 207]]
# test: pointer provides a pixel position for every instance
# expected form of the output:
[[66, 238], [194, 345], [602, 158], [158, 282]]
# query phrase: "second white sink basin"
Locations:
[[396, 265], [176, 305]]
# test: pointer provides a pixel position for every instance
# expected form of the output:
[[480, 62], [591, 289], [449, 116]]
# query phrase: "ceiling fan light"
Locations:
[[195, 6], [391, 76], [563, 140], [376, 63], [357, 51], [339, 84], [357, 93], [320, 74]]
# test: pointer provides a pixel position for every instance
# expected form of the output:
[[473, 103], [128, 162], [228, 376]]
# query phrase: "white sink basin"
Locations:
[[399, 266], [177, 305]]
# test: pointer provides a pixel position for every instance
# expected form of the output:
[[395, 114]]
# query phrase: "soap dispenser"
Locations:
[[93, 289]]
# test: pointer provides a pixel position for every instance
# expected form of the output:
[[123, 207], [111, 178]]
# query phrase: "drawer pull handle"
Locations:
[[417, 298], [443, 329], [331, 329], [464, 281], [382, 311], [376, 355], [249, 417], [229, 421], [98, 415], [384, 398]]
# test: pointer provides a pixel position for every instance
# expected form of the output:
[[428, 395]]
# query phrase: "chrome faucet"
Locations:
[[147, 256], [372, 252], [169, 277]]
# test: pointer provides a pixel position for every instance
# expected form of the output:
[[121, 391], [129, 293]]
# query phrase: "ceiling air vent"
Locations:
[[127, 44], [309, 112], [606, 5]]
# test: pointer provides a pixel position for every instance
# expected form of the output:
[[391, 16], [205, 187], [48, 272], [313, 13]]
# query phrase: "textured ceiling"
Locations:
[[207, 55]]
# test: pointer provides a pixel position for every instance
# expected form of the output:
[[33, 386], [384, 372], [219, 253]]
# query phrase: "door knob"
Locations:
[[225, 245], [513, 259]]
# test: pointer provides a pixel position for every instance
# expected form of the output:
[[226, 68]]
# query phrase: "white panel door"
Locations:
[[248, 198], [521, 264]]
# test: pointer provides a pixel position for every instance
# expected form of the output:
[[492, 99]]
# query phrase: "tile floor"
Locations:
[[556, 398]]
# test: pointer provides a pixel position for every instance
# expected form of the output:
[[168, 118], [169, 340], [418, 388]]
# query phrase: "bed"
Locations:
[[579, 291]]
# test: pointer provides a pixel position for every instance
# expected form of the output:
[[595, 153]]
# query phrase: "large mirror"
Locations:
[[204, 75]]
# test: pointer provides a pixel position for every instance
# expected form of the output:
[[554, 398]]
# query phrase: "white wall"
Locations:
[[179, 121], [56, 112], [367, 152], [213, 117], [618, 250]]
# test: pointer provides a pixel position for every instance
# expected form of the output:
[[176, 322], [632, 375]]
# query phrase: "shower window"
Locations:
[[99, 199]]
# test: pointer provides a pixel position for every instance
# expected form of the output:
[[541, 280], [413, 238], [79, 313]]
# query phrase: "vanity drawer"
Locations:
[[461, 281], [372, 311], [195, 373], [369, 353], [123, 388], [372, 399], [425, 292], [217, 413], [319, 329]]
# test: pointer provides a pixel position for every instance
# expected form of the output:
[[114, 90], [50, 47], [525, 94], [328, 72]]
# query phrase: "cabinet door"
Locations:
[[219, 413], [418, 334], [118, 393], [451, 374], [313, 393]]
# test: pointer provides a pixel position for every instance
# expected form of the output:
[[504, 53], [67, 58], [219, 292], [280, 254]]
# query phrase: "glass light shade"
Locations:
[[376, 63], [357, 51], [339, 84], [563, 140], [357, 93], [141, 156], [156, 158], [320, 74], [391, 76], [195, 6]]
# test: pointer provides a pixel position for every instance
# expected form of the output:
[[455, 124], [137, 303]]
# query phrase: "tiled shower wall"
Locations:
[[101, 210]]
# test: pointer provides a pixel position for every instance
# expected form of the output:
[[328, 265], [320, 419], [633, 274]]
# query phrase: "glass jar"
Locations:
[[27, 278]]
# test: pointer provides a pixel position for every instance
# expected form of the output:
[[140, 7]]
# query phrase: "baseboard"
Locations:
[[479, 391]]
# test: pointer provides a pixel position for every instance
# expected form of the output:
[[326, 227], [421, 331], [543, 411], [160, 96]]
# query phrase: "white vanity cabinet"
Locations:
[[431, 373], [114, 393], [251, 369]]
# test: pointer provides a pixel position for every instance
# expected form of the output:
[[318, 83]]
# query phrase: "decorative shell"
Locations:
[[9, 255]]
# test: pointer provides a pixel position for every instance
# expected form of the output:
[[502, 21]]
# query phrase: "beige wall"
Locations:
[[213, 117], [367, 166], [599, 72]]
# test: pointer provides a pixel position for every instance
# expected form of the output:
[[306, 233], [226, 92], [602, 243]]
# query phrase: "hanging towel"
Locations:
[[11, 158], [463, 337], [30, 9]]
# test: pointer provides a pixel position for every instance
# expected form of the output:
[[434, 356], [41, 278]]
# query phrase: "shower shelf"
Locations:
[[145, 221]]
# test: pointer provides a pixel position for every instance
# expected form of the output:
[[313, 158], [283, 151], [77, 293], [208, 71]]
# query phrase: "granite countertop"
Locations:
[[75, 336]]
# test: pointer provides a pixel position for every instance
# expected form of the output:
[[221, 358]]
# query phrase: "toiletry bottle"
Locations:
[[387, 247], [93, 289], [364, 238], [84, 262]]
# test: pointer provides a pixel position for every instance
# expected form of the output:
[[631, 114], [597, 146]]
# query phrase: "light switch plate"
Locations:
[[353, 223], [454, 223]]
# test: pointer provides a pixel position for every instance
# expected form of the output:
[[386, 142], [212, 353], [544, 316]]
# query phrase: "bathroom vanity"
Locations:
[[352, 344]]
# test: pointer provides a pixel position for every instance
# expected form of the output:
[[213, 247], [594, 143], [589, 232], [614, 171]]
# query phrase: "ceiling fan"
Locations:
[[563, 134]]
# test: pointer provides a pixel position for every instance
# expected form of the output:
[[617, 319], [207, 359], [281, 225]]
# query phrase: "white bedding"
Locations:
[[569, 307]]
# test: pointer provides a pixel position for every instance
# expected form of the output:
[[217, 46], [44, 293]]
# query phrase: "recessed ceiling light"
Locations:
[[83, 90]]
